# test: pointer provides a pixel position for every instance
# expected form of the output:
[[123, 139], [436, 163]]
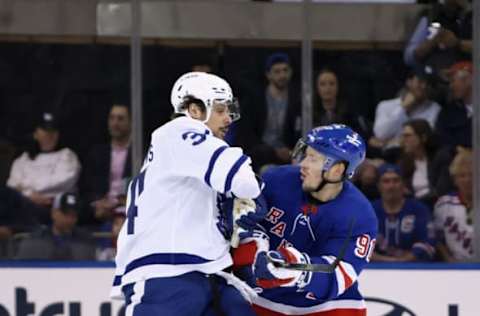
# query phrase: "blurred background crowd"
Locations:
[[66, 123]]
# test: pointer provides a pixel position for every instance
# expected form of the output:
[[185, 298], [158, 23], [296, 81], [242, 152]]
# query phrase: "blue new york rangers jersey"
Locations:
[[318, 230], [172, 218], [411, 229]]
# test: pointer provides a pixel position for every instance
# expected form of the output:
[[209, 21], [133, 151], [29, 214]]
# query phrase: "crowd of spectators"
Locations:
[[418, 175], [51, 207]]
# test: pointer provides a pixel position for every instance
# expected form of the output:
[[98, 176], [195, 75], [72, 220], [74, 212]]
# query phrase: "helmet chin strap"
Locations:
[[208, 112], [325, 181]]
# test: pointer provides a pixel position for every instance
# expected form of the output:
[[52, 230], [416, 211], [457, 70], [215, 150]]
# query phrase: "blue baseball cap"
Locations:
[[276, 58], [389, 167]]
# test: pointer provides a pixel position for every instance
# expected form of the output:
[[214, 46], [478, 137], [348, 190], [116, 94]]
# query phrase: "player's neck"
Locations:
[[328, 192]]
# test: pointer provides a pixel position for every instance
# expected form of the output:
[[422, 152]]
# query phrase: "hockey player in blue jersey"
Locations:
[[313, 213], [173, 247]]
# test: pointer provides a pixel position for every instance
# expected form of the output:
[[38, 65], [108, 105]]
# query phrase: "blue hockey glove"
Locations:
[[269, 276]]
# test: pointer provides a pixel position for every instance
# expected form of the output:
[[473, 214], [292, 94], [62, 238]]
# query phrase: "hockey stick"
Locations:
[[316, 267]]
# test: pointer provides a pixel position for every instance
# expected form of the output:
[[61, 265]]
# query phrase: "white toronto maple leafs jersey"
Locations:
[[172, 214]]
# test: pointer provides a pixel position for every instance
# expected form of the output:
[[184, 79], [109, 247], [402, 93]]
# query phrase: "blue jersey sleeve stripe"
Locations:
[[236, 166], [117, 280], [211, 163], [165, 258]]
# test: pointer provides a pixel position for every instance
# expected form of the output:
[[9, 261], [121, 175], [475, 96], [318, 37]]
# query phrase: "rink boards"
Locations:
[[45, 289]]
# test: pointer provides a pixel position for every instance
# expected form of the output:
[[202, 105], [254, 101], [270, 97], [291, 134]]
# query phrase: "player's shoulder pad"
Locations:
[[192, 131], [359, 207], [286, 172]]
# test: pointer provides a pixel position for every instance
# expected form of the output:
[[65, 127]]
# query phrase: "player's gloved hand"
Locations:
[[270, 276], [245, 215], [251, 244]]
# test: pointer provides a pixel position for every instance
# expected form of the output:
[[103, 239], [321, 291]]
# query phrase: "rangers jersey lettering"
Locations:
[[319, 231]]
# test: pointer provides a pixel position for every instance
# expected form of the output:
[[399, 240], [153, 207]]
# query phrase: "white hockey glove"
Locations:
[[240, 217]]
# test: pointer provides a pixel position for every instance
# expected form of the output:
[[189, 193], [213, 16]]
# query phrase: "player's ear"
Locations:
[[338, 170], [196, 111]]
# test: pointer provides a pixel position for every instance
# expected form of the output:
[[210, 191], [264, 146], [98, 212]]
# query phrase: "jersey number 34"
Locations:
[[134, 191]]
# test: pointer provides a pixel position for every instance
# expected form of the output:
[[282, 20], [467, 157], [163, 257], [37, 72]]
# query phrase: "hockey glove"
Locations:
[[251, 244], [269, 276], [245, 216]]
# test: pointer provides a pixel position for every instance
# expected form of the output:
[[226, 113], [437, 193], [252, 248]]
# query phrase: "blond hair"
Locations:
[[463, 158]]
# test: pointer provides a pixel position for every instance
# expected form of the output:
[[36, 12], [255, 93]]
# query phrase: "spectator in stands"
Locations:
[[62, 240], [405, 229], [202, 67], [45, 169], [7, 152], [15, 216], [108, 166], [418, 152], [271, 119], [107, 250], [365, 179], [331, 108], [413, 103], [441, 37], [454, 124], [453, 212]]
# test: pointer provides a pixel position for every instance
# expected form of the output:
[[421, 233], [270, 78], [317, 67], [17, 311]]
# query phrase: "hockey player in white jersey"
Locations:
[[172, 248]]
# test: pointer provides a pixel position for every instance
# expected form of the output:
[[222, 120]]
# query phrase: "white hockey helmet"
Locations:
[[206, 88]]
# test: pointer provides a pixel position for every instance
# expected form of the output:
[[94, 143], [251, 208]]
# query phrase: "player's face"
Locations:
[[220, 119], [391, 186], [311, 170]]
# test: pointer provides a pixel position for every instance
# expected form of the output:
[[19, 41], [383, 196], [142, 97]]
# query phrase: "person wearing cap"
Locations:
[[45, 169], [442, 36], [413, 103], [271, 117], [62, 240], [405, 231]]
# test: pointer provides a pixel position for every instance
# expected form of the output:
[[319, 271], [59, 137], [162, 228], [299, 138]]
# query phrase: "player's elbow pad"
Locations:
[[245, 188], [244, 184]]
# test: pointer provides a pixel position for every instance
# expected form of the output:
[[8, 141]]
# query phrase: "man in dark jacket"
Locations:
[[108, 166], [271, 118]]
